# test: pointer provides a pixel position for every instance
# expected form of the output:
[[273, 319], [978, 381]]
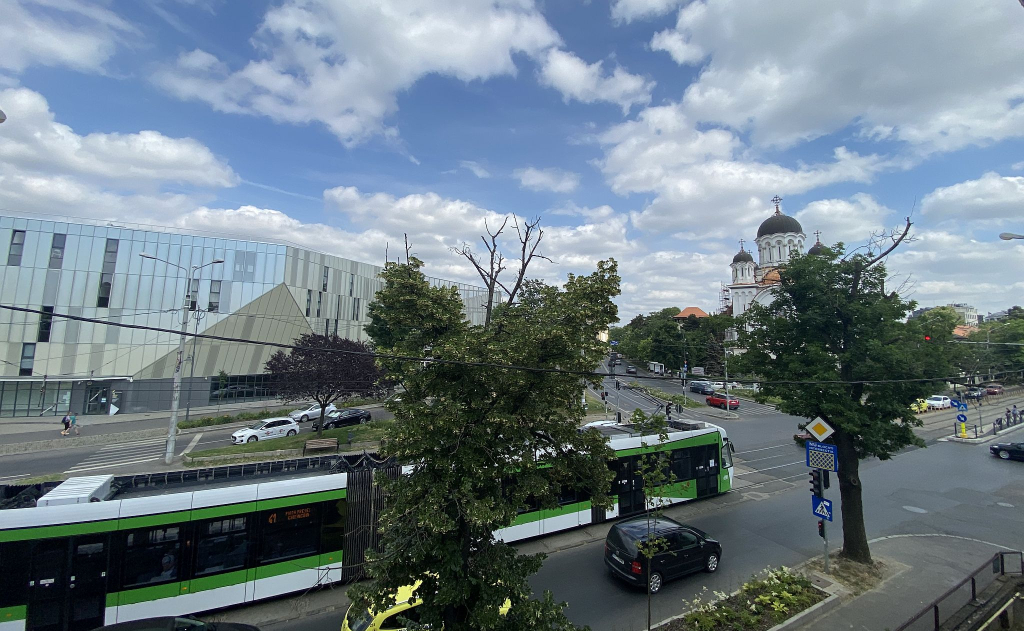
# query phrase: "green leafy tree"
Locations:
[[324, 368], [834, 344], [482, 442]]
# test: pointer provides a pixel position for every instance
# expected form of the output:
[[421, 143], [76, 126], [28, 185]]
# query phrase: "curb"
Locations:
[[981, 440], [260, 456], [811, 614]]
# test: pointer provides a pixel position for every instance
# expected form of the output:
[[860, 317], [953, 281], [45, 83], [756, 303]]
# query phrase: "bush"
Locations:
[[763, 602], [206, 421]]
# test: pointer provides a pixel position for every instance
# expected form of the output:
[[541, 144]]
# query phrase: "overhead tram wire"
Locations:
[[456, 362]]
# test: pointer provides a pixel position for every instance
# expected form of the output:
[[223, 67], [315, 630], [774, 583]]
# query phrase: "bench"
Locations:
[[320, 443]]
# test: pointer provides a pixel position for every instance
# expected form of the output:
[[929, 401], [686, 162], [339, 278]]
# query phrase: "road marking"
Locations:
[[110, 465], [192, 444], [744, 461], [13, 477], [750, 451], [769, 468]]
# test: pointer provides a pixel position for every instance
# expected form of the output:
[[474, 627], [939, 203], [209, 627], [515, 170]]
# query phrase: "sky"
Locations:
[[652, 131]]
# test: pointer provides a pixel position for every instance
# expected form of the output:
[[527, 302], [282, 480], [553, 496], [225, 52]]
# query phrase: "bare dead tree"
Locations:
[[530, 235], [406, 247], [490, 269]]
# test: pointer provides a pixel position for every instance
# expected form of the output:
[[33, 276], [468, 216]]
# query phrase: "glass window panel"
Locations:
[[151, 556], [45, 324], [289, 533], [28, 356], [222, 545], [17, 246], [57, 251]]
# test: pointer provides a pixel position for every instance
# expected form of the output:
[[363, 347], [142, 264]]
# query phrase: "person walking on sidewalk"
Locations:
[[74, 424], [1016, 415], [1007, 416], [66, 421]]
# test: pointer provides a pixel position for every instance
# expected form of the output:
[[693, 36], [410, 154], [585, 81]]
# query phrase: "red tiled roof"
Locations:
[[691, 311]]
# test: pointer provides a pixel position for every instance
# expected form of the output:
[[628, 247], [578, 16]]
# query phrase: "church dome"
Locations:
[[743, 257], [778, 224], [816, 249]]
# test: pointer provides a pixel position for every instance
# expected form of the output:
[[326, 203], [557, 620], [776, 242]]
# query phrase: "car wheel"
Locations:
[[252, 439], [291, 432], [712, 563], [303, 419], [1005, 455], [654, 585]]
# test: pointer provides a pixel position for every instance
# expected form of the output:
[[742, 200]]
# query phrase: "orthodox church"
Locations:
[[778, 238]]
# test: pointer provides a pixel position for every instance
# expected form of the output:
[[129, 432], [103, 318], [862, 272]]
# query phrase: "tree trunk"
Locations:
[[323, 416], [855, 538]]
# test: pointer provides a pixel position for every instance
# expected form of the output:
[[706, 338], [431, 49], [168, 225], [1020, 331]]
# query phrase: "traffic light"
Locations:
[[821, 528], [927, 338], [816, 483], [668, 408], [617, 386], [824, 478], [604, 395]]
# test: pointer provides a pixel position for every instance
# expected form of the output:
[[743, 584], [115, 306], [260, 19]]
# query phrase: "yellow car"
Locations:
[[404, 607], [920, 406]]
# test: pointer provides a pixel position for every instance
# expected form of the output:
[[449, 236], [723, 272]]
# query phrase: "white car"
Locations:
[[937, 402], [266, 429], [313, 411], [718, 385]]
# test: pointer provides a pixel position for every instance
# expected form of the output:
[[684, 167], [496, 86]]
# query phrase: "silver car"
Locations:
[[312, 411]]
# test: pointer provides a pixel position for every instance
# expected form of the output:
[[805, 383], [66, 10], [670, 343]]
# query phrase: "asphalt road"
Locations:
[[951, 489]]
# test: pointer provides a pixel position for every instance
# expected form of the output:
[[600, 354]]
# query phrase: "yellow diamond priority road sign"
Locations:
[[820, 429]]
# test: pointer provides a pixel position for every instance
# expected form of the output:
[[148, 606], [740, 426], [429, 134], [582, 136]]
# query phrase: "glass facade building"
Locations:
[[266, 292]]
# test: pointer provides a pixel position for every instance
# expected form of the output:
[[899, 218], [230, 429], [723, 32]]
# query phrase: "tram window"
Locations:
[[726, 453], [567, 496], [151, 555], [682, 465], [335, 517], [289, 533], [222, 545], [14, 559]]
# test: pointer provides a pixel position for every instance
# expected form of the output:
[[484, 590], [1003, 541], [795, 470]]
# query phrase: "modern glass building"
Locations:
[[262, 291]]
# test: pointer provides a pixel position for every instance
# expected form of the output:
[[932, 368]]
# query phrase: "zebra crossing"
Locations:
[[122, 454]]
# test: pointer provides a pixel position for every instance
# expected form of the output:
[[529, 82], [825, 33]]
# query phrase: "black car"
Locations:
[[343, 417], [702, 387], [180, 623], [688, 550], [1008, 451]]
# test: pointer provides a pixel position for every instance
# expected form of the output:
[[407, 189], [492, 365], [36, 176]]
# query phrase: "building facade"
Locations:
[[968, 314], [267, 292]]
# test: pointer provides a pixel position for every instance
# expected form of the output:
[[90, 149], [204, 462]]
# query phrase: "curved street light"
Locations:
[[172, 426], [3, 116], [1007, 236]]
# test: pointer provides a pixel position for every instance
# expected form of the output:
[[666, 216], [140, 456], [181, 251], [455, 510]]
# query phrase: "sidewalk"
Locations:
[[921, 568]]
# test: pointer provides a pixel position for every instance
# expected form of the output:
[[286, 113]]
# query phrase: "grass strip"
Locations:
[[367, 432]]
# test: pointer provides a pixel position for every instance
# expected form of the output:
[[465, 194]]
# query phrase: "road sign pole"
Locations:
[[824, 532]]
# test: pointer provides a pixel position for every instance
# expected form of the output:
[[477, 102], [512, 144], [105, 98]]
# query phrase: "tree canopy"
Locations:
[[834, 344], [483, 442], [324, 368], [658, 337]]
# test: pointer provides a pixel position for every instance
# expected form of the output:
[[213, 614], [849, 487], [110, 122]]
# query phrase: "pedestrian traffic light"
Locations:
[[617, 386], [816, 484], [604, 395], [668, 408], [821, 528], [927, 338], [824, 478]]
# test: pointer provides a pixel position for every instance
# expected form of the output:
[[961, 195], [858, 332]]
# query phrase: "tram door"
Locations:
[[706, 467], [629, 486], [68, 584]]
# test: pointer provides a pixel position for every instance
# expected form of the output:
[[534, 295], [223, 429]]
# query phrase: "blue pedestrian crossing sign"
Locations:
[[821, 507]]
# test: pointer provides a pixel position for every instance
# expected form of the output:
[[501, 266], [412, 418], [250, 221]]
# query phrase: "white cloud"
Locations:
[[851, 221], [991, 196], [1018, 166], [629, 10], [34, 142], [592, 214], [705, 184], [475, 168], [881, 66], [78, 35], [342, 63], [588, 83], [552, 179]]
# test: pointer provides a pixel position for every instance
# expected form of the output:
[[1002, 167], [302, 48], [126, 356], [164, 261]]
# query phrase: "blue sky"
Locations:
[[654, 131]]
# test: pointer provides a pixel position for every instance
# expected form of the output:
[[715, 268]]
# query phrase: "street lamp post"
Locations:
[[1007, 236], [172, 426]]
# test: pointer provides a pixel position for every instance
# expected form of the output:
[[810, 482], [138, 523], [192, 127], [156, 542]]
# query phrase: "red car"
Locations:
[[716, 399]]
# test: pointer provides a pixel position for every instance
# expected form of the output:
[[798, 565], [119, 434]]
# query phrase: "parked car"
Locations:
[[313, 411], [180, 623], [975, 393], [938, 402], [689, 550], [343, 418], [803, 436], [919, 406], [265, 430], [718, 400], [1008, 451], [718, 385], [700, 386], [630, 370], [388, 620], [994, 388]]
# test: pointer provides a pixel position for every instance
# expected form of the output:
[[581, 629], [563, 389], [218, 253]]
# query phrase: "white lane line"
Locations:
[[192, 444], [750, 451], [13, 477], [110, 465], [744, 461], [770, 468], [137, 443]]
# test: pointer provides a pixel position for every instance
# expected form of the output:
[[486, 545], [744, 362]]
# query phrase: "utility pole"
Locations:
[[192, 370]]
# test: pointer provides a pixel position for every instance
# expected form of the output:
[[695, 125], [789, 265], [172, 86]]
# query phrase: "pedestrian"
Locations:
[[74, 423], [66, 421], [1007, 416], [1016, 415]]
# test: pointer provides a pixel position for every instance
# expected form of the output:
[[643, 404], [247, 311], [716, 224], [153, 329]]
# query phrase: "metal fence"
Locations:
[[937, 612]]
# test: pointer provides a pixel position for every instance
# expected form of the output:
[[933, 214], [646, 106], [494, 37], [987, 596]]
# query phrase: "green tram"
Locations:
[[95, 550]]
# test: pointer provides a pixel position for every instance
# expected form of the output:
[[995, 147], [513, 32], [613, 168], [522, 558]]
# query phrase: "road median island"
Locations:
[[362, 437], [775, 599]]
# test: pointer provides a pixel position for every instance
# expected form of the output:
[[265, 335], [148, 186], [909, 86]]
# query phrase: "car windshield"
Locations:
[[256, 425], [359, 621], [623, 540]]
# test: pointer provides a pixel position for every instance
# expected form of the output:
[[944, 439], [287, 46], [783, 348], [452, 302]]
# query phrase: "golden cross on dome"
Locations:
[[817, 235], [777, 200], [741, 246]]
